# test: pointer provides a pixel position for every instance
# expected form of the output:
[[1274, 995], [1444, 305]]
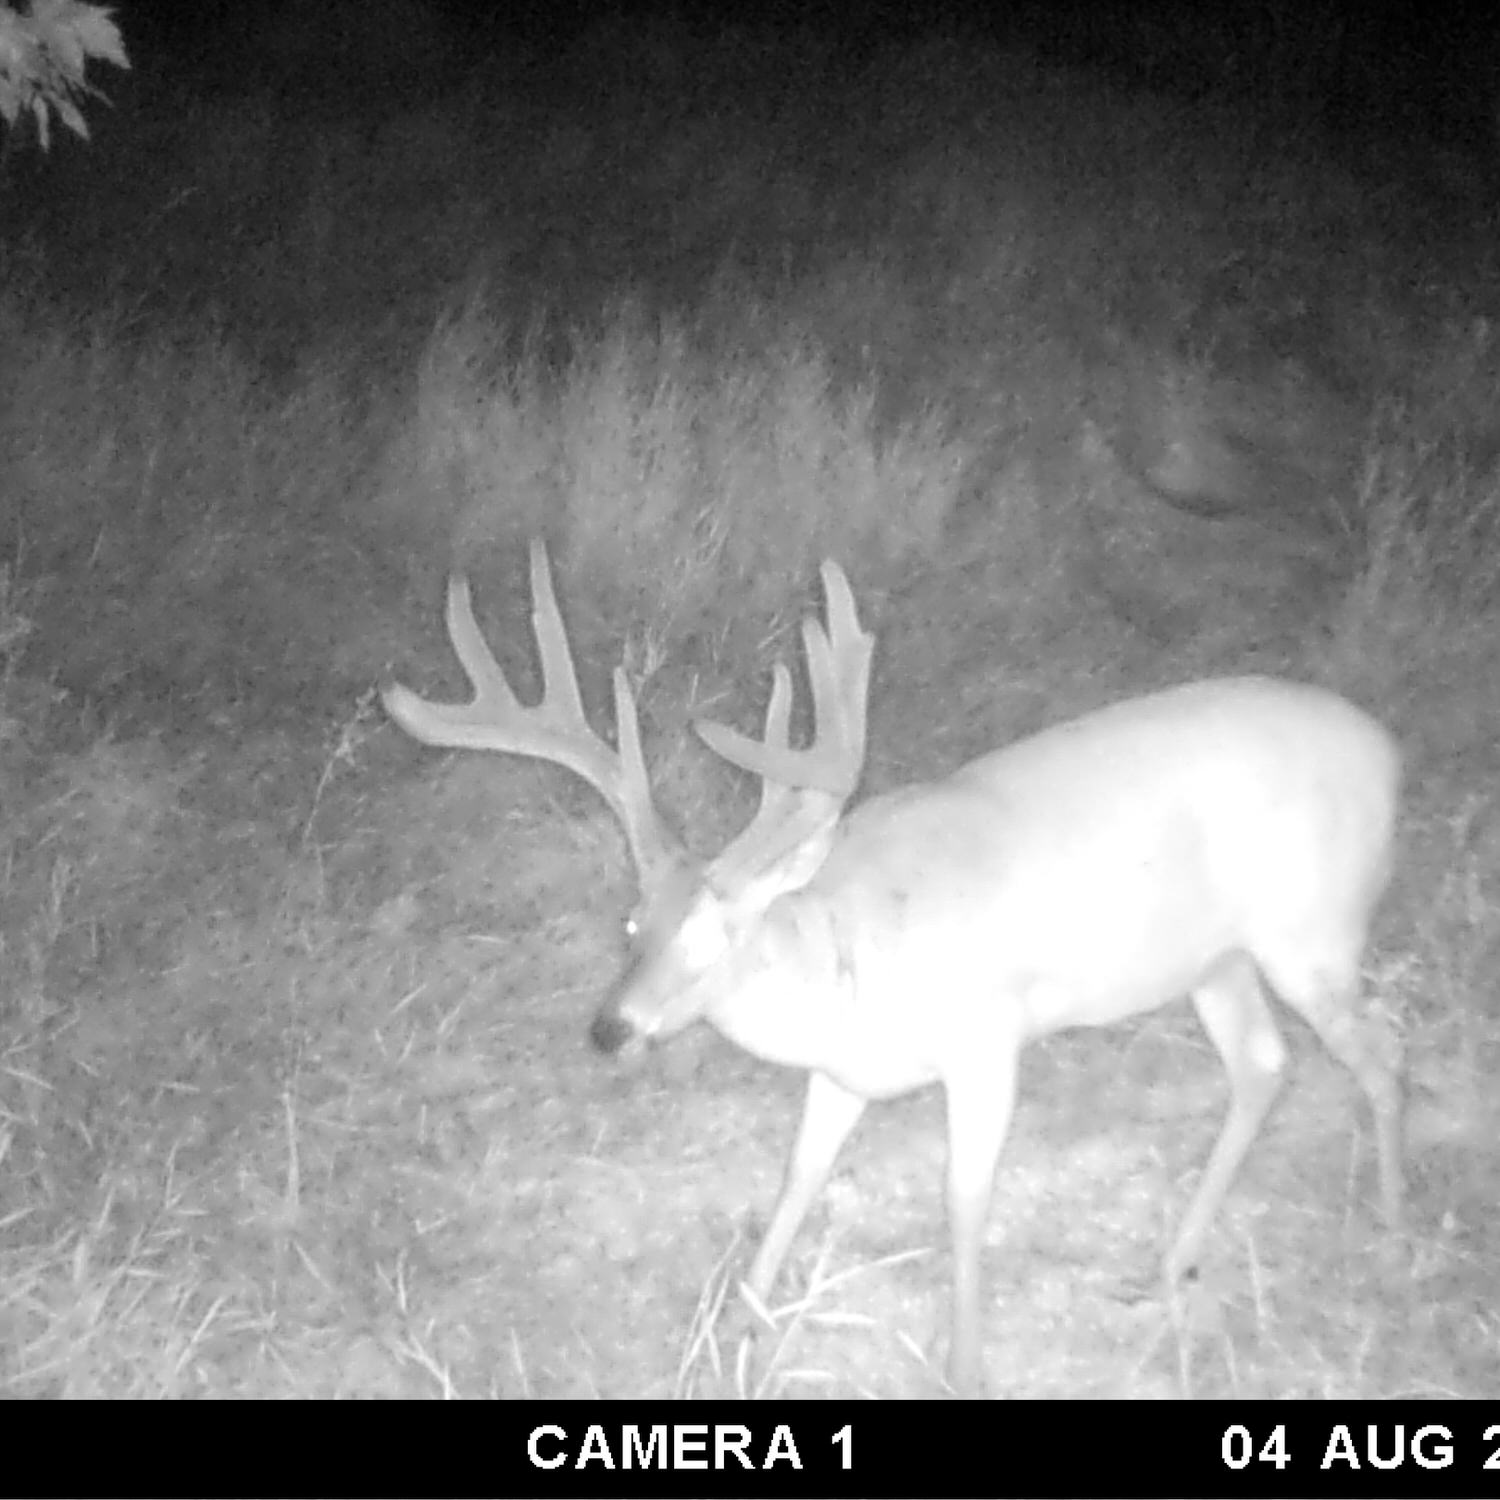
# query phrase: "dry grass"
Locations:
[[295, 1097]]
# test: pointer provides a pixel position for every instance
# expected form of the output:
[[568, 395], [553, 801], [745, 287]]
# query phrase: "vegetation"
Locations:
[[1090, 386], [44, 56]]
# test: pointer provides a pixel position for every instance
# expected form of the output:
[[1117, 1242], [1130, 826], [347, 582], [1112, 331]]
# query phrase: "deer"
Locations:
[[1225, 840]]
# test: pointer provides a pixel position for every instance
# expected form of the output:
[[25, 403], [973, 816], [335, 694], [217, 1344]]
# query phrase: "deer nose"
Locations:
[[611, 1031]]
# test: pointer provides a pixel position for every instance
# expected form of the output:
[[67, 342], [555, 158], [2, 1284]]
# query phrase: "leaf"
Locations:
[[17, 46], [60, 40], [71, 116], [43, 121], [100, 36], [44, 56]]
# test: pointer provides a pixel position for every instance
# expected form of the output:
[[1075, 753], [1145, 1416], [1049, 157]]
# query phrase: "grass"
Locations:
[[1089, 388]]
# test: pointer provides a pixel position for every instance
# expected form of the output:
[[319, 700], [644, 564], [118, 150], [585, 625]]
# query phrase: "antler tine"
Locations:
[[852, 650], [838, 667], [777, 736], [653, 849], [560, 692], [556, 729]]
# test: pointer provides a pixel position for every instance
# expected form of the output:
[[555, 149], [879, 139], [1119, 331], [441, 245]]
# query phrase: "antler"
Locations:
[[556, 729], [804, 791]]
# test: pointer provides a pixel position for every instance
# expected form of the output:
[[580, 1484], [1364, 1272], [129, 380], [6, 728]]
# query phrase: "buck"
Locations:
[[1215, 840]]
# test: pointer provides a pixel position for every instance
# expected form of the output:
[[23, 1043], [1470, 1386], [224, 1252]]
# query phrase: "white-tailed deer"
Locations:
[[1204, 841]]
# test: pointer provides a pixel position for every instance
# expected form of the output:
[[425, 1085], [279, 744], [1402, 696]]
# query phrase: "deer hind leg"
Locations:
[[1326, 994], [829, 1114], [1232, 1005]]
